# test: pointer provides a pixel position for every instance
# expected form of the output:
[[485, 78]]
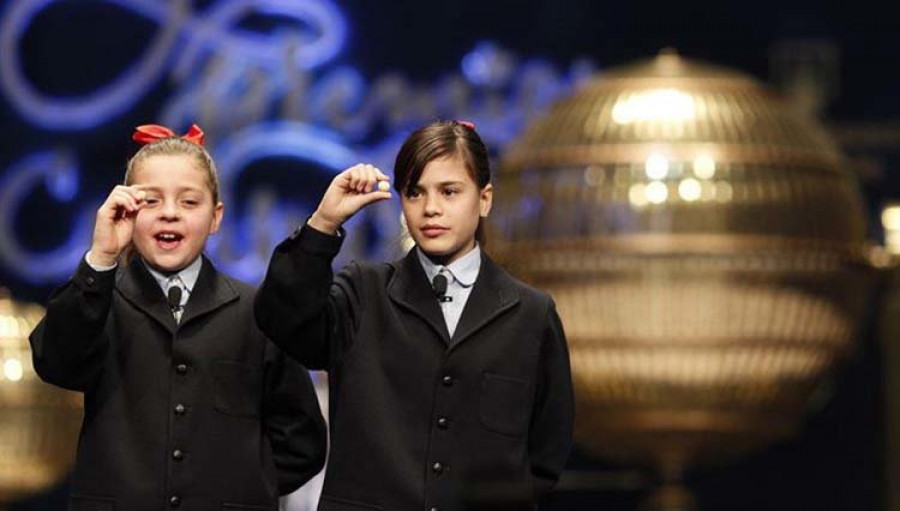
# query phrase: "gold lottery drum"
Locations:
[[39, 423], [706, 248]]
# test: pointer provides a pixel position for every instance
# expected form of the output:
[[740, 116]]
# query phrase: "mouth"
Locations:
[[433, 231], [168, 240]]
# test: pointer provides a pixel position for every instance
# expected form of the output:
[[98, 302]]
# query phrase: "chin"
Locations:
[[168, 264], [434, 249], [164, 267]]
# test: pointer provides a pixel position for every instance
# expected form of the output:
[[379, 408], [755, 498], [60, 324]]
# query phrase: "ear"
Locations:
[[485, 200], [217, 218]]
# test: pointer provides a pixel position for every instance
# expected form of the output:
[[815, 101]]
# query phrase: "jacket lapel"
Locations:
[[492, 295], [210, 292], [409, 288], [140, 288]]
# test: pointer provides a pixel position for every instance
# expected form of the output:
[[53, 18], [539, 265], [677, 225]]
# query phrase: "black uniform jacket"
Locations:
[[420, 421], [202, 415]]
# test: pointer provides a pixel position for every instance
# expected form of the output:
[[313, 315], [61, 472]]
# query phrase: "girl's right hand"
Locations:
[[114, 226], [349, 191]]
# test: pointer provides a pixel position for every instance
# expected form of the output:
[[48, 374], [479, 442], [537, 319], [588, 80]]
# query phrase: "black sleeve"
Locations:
[[300, 307], [293, 421], [69, 344], [550, 435]]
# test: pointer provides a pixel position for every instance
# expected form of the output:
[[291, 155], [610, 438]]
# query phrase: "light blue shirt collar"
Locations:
[[464, 270], [188, 276]]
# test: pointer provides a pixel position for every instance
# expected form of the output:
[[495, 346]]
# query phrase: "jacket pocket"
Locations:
[[335, 504], [238, 389], [91, 503], [505, 404]]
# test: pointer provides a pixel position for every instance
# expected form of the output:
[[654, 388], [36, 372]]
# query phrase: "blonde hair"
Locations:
[[172, 147]]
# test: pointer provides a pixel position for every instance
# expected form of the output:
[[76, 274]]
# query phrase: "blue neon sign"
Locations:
[[258, 95]]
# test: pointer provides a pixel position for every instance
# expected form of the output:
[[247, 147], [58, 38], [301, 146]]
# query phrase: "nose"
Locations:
[[169, 210], [432, 206]]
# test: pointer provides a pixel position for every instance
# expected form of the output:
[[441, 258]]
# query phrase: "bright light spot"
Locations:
[[637, 195], [656, 166], [657, 192], [7, 326], [890, 218], [654, 105], [12, 369], [704, 166], [689, 190]]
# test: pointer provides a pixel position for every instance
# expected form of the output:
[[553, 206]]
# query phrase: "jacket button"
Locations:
[[433, 509], [181, 368], [447, 380], [174, 501], [437, 468], [180, 409], [90, 281], [443, 422], [177, 455]]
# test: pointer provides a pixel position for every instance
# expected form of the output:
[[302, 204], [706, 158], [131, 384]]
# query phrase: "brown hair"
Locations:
[[438, 140]]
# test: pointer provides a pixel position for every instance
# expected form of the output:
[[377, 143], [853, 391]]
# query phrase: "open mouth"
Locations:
[[168, 240]]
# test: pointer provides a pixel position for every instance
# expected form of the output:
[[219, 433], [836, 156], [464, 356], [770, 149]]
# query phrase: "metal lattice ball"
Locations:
[[706, 249], [39, 423]]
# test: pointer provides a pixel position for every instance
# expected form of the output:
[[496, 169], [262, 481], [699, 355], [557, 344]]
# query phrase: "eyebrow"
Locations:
[[444, 183], [180, 190]]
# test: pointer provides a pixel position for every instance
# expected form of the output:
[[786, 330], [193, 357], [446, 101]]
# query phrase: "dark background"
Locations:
[[836, 463]]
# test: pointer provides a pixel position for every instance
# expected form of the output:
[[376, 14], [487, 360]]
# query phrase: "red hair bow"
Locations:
[[149, 133], [468, 124]]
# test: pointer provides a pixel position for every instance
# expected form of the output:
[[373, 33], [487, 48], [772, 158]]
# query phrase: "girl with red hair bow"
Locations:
[[450, 386], [187, 404]]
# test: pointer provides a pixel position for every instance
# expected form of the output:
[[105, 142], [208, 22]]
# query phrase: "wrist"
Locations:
[[98, 258], [317, 222]]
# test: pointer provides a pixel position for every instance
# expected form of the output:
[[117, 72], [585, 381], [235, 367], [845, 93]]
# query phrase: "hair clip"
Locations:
[[468, 124], [149, 133]]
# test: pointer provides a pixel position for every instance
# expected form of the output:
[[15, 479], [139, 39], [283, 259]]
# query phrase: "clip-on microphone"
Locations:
[[174, 298], [439, 285]]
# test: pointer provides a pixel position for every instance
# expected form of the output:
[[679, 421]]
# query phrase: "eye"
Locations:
[[449, 192], [151, 201], [413, 194], [190, 202]]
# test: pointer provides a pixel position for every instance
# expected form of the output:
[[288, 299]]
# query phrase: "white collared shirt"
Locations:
[[461, 275], [187, 278]]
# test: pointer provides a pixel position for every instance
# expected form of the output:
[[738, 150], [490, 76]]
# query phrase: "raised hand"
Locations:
[[349, 191], [114, 225]]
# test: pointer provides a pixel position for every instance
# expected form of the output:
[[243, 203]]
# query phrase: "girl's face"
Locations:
[[170, 231], [443, 209]]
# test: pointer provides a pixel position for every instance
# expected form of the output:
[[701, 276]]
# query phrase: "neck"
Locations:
[[445, 260], [170, 272]]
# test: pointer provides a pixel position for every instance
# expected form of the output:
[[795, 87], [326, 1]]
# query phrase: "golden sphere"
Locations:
[[705, 247], [39, 423]]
